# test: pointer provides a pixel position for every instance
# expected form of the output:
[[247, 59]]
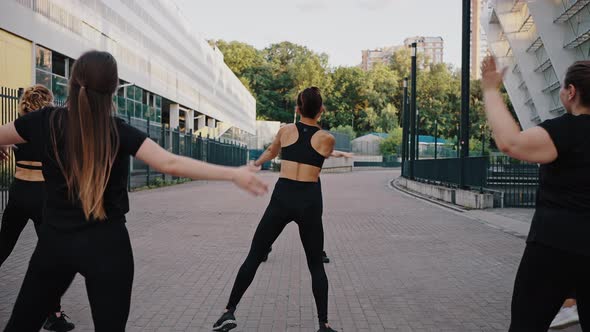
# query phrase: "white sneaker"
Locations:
[[566, 317]]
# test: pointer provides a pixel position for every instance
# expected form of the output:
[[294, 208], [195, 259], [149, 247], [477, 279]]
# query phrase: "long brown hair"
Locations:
[[88, 131], [34, 98]]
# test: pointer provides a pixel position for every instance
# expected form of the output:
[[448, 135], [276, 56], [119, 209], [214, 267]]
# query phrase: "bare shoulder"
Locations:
[[326, 137]]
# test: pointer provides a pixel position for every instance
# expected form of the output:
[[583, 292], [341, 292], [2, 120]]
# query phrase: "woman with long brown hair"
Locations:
[[26, 196], [556, 261], [86, 153]]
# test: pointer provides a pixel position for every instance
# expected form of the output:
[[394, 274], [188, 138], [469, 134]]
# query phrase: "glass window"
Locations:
[[138, 111], [60, 87], [129, 107], [43, 59], [138, 94], [58, 64], [130, 92], [158, 101], [42, 77], [121, 105]]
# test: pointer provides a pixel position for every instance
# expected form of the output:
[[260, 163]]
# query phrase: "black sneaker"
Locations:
[[58, 324], [265, 258], [226, 322], [326, 329], [325, 258]]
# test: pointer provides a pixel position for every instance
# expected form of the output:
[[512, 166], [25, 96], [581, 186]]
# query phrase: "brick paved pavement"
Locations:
[[398, 263]]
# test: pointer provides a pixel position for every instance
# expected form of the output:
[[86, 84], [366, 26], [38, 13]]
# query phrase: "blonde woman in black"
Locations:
[[26, 196]]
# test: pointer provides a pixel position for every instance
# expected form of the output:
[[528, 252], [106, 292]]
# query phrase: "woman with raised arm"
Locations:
[[86, 153], [556, 261], [297, 197], [27, 195]]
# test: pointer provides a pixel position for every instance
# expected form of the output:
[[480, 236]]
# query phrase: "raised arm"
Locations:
[[272, 151], [532, 145], [169, 163]]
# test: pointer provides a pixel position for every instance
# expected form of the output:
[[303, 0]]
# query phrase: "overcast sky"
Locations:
[[340, 28]]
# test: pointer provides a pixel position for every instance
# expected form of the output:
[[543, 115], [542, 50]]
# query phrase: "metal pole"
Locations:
[[465, 77], [413, 112], [417, 134], [435, 138], [405, 123], [483, 139]]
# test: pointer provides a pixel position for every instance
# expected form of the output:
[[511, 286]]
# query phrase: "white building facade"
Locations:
[[169, 65], [537, 41]]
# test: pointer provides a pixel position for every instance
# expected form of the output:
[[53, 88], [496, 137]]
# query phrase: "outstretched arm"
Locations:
[[532, 145], [341, 154], [272, 151], [169, 163], [8, 137]]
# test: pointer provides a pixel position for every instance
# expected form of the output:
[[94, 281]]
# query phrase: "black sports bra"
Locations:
[[301, 151]]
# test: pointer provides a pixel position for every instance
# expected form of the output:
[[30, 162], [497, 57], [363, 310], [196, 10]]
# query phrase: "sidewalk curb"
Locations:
[[507, 225]]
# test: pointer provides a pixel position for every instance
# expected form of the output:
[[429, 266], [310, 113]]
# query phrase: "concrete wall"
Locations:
[[464, 198], [337, 165]]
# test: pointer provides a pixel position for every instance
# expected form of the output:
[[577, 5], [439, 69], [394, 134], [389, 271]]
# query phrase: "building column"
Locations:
[[174, 116], [189, 120]]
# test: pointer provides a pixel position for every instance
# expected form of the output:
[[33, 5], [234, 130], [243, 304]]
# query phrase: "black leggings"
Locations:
[[291, 201], [101, 254], [547, 277], [25, 202]]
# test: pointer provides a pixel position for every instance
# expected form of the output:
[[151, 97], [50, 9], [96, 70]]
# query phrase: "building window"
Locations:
[[52, 70]]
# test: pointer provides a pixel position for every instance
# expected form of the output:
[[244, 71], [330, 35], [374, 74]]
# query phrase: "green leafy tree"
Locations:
[[392, 144], [345, 130]]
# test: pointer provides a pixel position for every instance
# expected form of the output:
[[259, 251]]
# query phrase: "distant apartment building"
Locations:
[[378, 55], [431, 47]]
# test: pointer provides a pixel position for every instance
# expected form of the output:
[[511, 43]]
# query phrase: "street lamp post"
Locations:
[[417, 134], [405, 124], [465, 77], [413, 111]]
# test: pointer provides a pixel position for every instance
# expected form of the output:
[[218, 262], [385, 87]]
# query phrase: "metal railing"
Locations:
[[141, 175], [513, 182], [388, 161], [516, 181], [342, 142], [447, 171], [9, 108]]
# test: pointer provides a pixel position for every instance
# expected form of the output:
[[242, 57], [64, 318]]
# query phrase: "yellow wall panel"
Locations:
[[16, 65]]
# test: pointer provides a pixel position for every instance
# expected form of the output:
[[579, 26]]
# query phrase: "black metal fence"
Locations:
[[9, 105], [513, 182], [342, 142], [447, 171], [186, 144], [388, 161]]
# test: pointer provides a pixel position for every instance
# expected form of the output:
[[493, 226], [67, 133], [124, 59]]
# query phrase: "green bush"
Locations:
[[392, 144]]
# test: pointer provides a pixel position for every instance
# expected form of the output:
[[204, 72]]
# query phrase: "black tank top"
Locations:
[[301, 151], [27, 152]]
